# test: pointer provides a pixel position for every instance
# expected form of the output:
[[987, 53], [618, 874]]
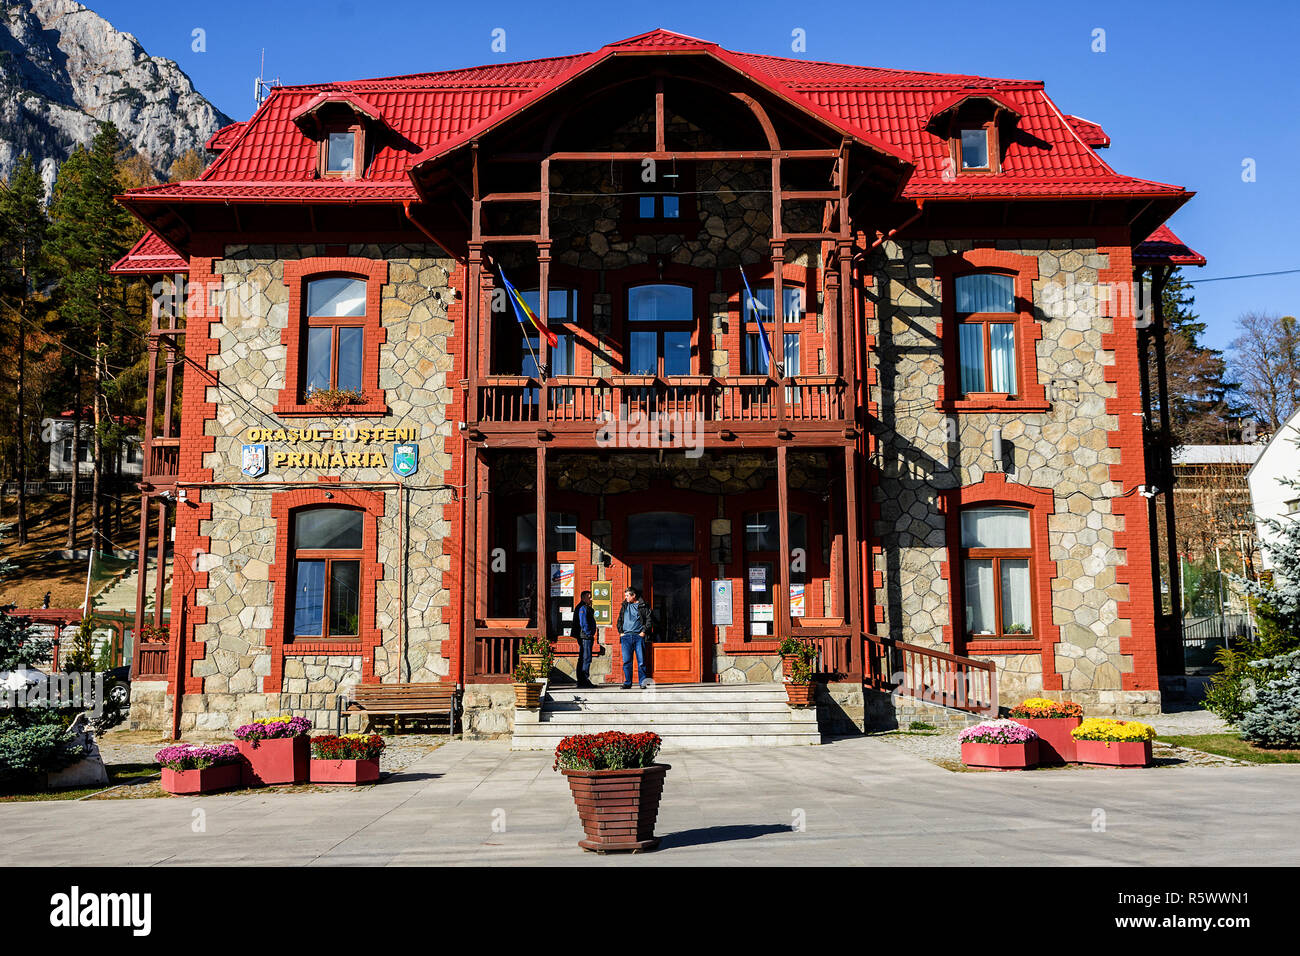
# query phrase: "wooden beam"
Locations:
[[543, 577], [853, 540], [469, 564]]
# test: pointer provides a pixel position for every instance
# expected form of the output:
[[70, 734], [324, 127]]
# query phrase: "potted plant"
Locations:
[[616, 786], [275, 750], [351, 758], [332, 399], [790, 649], [528, 689], [1113, 743], [799, 688], [535, 651], [1052, 721], [188, 769], [999, 744]]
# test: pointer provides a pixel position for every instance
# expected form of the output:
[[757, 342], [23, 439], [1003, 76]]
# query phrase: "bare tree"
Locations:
[[1266, 359]]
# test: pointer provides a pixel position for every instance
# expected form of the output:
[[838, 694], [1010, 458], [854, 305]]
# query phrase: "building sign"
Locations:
[[252, 460], [721, 592], [562, 580], [406, 458], [602, 601], [275, 456]]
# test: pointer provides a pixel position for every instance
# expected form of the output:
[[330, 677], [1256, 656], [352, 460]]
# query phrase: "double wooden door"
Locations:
[[674, 646]]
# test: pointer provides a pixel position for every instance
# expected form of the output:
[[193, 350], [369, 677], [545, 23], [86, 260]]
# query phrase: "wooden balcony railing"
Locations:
[[150, 661], [164, 458], [930, 674], [744, 398]]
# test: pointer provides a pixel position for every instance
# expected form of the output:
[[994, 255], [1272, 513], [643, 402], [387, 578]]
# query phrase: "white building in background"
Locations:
[[1272, 493], [57, 433]]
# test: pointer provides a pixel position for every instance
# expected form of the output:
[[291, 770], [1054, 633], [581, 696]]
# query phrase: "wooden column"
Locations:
[[160, 572], [469, 566], [855, 559], [778, 297], [482, 554], [848, 326], [473, 316], [831, 315], [543, 313], [781, 599], [1159, 276], [541, 602]]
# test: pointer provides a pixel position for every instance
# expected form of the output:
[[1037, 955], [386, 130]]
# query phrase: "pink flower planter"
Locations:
[[272, 762], [1114, 753], [1055, 745], [1000, 756], [225, 776], [344, 771]]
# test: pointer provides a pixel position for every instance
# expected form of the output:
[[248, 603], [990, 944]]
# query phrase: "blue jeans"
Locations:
[[633, 644], [584, 659]]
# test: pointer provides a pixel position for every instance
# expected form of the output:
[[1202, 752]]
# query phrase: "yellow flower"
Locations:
[[1108, 729]]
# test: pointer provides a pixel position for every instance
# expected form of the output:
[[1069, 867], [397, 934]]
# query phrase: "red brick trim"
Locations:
[[278, 641], [1041, 502], [1033, 394], [1130, 472], [296, 274]]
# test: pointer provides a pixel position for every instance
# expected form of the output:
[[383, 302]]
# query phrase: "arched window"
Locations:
[[326, 572], [660, 531], [986, 330], [997, 572], [334, 346], [661, 320]]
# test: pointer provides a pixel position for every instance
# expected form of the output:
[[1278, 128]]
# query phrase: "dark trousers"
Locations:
[[584, 658], [633, 645]]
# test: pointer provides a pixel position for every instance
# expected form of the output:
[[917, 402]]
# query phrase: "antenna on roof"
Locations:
[[260, 87]]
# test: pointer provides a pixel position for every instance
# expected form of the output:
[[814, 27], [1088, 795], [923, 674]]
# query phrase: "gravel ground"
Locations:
[[944, 748]]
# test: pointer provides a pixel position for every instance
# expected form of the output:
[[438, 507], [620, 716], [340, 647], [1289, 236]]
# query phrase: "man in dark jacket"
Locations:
[[584, 632], [633, 623]]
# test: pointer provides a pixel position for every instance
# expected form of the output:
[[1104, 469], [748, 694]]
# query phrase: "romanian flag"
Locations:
[[522, 311], [759, 309]]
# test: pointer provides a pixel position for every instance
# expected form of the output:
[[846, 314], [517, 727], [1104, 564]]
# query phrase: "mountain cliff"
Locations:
[[65, 69]]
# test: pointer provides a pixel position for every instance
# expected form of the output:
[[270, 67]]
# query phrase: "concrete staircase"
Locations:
[[684, 715], [120, 596]]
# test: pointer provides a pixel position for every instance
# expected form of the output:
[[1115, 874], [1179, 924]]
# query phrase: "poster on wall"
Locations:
[[562, 580], [796, 600], [760, 612], [758, 578]]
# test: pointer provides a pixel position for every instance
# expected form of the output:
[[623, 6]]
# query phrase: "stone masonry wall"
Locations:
[[1066, 449], [250, 362]]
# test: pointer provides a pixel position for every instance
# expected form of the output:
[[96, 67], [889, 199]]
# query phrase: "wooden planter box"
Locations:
[[226, 776], [787, 665], [513, 623], [817, 621], [1055, 745], [801, 695], [1114, 753], [344, 771], [272, 762], [535, 662], [618, 808], [1000, 756], [528, 695]]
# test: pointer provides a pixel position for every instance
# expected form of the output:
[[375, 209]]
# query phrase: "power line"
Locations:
[[1248, 275]]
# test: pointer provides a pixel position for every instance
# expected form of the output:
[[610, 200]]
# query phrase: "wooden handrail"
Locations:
[[933, 675]]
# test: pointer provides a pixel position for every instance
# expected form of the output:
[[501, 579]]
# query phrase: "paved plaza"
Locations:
[[856, 801]]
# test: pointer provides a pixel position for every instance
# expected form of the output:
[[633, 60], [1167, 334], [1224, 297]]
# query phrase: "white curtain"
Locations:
[[1015, 596], [983, 292], [979, 596], [1002, 347], [970, 347], [995, 528]]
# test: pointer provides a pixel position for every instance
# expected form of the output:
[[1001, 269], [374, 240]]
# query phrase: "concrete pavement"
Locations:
[[861, 801]]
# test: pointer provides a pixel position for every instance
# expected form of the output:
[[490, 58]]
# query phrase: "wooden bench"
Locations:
[[396, 701]]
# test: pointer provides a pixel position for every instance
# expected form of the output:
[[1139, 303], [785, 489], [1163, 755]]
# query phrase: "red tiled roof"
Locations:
[[1164, 247], [269, 158], [358, 103], [223, 137], [993, 96], [1090, 132], [150, 256]]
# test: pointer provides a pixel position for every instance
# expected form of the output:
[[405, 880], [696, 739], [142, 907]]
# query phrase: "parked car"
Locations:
[[117, 685]]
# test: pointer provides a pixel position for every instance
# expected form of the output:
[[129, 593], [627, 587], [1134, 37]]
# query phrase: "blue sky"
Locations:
[[1187, 91]]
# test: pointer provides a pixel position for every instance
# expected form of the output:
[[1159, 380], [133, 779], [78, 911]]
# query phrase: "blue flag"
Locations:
[[757, 307]]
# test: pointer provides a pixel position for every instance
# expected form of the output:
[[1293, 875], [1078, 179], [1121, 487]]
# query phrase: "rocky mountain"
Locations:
[[65, 69]]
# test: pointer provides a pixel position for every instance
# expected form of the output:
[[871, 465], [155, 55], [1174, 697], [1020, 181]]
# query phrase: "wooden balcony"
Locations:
[[575, 410], [164, 461]]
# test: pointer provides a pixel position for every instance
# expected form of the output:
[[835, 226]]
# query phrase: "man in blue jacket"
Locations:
[[633, 623], [584, 632]]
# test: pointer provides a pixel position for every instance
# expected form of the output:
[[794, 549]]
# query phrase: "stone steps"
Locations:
[[685, 716]]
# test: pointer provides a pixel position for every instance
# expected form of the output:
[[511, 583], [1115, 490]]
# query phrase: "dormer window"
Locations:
[[346, 128], [975, 148]]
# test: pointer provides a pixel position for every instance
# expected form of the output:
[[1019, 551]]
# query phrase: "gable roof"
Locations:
[[269, 159]]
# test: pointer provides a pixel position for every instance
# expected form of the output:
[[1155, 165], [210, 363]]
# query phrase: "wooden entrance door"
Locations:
[[671, 587]]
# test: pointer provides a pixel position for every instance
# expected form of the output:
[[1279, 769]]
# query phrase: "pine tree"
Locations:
[[22, 273], [89, 233]]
